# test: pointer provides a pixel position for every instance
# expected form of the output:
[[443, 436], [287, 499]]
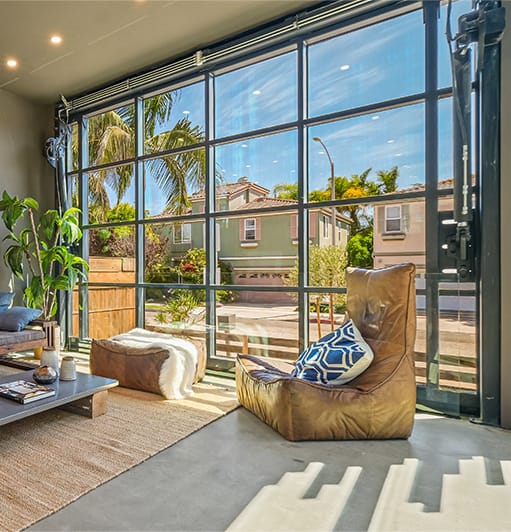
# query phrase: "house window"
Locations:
[[182, 233], [326, 225], [392, 218], [250, 229], [338, 234]]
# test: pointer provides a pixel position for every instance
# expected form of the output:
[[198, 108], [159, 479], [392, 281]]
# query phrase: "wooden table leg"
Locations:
[[92, 406]]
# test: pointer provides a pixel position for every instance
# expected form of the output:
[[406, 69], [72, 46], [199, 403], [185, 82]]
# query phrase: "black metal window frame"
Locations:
[[429, 97]]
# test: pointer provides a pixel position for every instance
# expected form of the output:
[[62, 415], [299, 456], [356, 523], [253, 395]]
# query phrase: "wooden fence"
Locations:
[[111, 308], [457, 372]]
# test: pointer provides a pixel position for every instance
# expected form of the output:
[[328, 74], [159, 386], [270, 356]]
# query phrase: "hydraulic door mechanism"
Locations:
[[482, 27]]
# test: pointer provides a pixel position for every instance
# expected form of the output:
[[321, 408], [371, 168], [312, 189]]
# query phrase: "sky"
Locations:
[[373, 64]]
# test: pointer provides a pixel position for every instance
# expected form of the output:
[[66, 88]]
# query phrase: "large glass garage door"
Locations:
[[230, 202]]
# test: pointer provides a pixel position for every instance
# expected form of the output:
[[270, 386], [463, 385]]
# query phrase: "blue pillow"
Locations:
[[6, 300], [17, 318], [337, 358]]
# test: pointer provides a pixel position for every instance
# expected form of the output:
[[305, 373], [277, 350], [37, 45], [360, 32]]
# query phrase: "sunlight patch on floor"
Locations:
[[468, 502], [282, 506]]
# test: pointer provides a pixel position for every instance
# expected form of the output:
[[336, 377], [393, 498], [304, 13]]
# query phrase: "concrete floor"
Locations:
[[203, 482]]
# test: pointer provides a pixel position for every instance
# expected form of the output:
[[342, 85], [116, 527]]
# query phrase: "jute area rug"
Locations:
[[50, 459]]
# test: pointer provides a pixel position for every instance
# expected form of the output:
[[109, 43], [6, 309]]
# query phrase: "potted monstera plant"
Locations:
[[40, 251]]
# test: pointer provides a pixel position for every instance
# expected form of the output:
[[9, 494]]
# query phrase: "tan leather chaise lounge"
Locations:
[[379, 403]]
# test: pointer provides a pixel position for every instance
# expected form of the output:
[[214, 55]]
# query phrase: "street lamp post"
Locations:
[[333, 222], [332, 187]]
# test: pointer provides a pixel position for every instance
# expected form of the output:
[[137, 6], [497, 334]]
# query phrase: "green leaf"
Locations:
[[49, 223], [61, 282], [13, 257], [31, 203]]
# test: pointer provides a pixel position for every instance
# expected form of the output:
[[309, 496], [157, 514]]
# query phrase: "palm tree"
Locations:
[[175, 174], [112, 138], [388, 179]]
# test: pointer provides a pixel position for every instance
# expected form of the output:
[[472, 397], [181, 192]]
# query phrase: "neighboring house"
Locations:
[[400, 229], [261, 248]]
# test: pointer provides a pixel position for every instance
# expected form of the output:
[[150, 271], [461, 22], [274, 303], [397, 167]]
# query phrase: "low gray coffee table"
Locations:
[[87, 395]]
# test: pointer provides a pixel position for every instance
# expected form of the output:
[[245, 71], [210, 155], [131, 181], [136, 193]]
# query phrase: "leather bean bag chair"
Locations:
[[379, 403]]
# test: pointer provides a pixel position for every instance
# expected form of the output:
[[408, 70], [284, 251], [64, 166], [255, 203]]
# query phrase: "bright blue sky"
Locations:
[[369, 65]]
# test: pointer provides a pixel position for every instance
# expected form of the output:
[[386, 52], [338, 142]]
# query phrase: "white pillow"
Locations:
[[337, 358]]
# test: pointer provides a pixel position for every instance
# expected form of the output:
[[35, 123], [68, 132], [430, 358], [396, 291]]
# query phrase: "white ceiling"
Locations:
[[108, 39]]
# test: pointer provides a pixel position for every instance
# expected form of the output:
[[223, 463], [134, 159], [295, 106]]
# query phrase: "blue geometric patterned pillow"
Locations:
[[337, 358]]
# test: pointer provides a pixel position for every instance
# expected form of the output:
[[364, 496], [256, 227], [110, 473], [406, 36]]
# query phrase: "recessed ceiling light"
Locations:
[[344, 67], [247, 166], [375, 117], [11, 63], [244, 145], [256, 92], [55, 39], [186, 112], [390, 141], [275, 161]]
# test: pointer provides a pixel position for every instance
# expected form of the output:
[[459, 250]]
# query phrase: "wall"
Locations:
[[505, 199], [24, 171]]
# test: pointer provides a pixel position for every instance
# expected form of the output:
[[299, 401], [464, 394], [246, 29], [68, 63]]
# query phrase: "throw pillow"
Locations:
[[16, 318], [6, 300], [337, 358]]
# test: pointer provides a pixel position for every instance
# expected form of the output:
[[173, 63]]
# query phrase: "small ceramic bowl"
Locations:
[[45, 375]]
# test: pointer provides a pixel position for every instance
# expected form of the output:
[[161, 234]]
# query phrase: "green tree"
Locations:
[[286, 191], [388, 180], [359, 249], [327, 267], [112, 137]]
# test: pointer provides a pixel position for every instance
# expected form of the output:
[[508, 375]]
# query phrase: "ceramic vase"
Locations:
[[50, 357]]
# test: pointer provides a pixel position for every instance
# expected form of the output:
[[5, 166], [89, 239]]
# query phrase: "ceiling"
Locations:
[[106, 40]]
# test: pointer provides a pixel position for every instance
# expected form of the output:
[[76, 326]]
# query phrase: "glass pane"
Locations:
[[111, 194], [265, 260], [258, 323], [445, 140], [112, 253], [175, 311], [174, 252], [111, 308], [75, 318], [72, 148], [457, 337], [369, 65], [254, 169], [326, 313], [370, 154], [174, 119], [450, 337], [111, 136], [403, 239], [459, 7], [445, 163], [256, 96], [327, 249], [74, 190], [171, 181]]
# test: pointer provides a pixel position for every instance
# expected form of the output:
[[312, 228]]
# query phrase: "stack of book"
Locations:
[[25, 391]]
